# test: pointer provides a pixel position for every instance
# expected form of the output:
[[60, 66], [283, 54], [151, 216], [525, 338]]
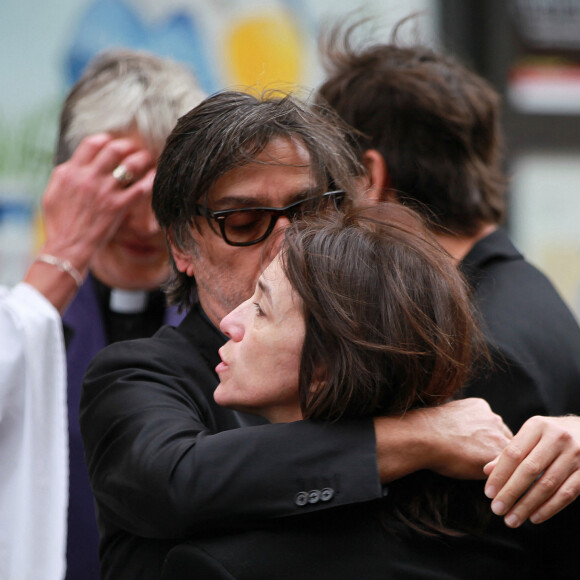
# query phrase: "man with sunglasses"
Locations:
[[165, 461], [252, 225]]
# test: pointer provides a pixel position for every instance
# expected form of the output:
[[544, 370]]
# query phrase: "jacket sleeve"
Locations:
[[159, 468]]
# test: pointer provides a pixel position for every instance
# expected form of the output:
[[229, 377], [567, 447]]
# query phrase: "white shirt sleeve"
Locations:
[[33, 437]]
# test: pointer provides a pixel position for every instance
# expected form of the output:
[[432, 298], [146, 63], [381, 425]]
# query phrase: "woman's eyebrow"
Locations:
[[265, 289]]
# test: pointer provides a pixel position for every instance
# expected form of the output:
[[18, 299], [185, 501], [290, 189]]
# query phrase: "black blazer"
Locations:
[[349, 544], [533, 336], [165, 461], [534, 340]]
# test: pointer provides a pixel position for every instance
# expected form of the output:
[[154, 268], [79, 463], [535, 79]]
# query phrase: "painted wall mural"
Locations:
[[225, 42], [236, 44]]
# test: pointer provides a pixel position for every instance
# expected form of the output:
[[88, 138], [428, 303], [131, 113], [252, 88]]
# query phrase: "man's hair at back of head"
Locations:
[[435, 123], [229, 130], [122, 91]]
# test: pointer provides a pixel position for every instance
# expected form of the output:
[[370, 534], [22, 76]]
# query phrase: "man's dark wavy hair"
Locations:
[[435, 123], [229, 130]]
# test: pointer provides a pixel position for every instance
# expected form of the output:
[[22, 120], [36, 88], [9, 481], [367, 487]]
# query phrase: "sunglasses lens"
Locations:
[[246, 226]]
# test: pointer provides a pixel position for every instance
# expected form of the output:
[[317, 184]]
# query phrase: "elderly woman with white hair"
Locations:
[[113, 126], [96, 217]]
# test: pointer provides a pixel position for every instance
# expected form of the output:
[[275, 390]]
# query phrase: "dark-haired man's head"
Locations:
[[427, 128], [234, 170]]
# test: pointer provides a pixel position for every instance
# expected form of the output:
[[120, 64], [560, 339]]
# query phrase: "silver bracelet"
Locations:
[[63, 265]]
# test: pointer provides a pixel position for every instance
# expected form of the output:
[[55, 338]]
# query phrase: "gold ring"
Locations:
[[122, 174]]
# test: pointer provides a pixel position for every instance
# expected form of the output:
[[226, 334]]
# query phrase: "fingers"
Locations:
[[508, 462], [137, 165], [89, 148], [487, 469], [103, 153], [89, 171], [551, 487], [567, 493], [124, 151], [84, 204], [96, 180], [538, 473], [140, 188]]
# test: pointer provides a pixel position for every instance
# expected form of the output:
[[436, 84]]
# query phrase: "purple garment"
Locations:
[[85, 321]]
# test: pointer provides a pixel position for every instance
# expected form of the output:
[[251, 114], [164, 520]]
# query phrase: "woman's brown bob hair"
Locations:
[[389, 328], [389, 325]]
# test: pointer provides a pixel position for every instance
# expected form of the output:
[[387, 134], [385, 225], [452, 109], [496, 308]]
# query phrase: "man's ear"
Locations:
[[379, 176], [182, 260]]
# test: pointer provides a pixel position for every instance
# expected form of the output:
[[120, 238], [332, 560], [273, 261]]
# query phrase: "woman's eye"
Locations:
[[259, 311]]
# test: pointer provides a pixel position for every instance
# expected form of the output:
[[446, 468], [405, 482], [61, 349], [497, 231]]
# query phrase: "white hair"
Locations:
[[122, 91]]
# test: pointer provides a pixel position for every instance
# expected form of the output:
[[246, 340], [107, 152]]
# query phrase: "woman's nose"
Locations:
[[281, 224], [232, 325]]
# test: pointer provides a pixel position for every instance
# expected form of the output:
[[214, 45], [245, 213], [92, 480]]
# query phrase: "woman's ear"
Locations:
[[318, 379], [379, 176]]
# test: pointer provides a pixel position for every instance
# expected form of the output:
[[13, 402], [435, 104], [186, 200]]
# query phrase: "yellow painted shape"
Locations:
[[265, 51]]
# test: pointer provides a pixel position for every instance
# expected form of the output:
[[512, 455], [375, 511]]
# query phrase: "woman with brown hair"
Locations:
[[360, 314]]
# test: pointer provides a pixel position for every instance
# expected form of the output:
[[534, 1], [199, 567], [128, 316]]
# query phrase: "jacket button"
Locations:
[[327, 494], [313, 496], [301, 498]]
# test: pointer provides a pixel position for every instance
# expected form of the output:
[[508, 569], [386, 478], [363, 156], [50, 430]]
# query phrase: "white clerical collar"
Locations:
[[128, 301]]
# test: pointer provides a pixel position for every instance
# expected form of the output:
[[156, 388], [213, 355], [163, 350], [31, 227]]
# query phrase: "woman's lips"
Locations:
[[222, 366]]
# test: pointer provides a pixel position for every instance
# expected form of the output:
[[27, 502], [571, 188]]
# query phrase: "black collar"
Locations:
[[494, 247]]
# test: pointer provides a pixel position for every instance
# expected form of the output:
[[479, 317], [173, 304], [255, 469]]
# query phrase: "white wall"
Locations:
[[545, 217], [33, 37]]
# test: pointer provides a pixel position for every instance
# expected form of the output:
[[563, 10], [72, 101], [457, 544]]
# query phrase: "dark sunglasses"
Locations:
[[252, 225]]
